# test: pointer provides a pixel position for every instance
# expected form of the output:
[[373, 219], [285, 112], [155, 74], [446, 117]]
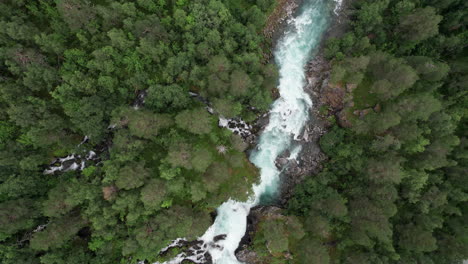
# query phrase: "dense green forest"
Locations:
[[394, 189], [73, 68]]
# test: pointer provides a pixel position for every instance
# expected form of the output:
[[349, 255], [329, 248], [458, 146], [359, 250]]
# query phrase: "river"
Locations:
[[288, 115]]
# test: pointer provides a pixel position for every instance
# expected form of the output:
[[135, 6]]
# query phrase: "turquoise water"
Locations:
[[288, 115]]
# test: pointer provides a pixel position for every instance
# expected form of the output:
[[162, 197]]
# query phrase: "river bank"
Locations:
[[317, 75], [276, 23], [288, 125], [309, 160]]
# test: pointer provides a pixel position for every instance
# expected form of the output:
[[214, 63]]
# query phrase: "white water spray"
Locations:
[[288, 116]]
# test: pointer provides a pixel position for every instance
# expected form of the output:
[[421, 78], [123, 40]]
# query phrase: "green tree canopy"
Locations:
[[421, 24]]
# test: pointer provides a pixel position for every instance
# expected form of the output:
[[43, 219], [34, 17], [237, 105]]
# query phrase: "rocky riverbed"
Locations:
[[276, 23], [294, 166], [309, 161]]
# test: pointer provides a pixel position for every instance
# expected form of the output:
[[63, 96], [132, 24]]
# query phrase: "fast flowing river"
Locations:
[[288, 116]]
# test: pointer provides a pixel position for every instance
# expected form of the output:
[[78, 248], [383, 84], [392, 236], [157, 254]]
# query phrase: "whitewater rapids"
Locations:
[[288, 115]]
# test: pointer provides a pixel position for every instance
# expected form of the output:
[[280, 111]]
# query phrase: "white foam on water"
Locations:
[[288, 115], [338, 4]]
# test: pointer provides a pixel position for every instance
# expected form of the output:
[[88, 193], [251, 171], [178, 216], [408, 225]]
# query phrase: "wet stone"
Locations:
[[219, 237]]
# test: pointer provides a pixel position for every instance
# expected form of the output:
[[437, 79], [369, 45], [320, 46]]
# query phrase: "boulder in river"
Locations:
[[219, 237]]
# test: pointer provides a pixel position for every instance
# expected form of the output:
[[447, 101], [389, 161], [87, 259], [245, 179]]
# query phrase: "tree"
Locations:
[[201, 159], [220, 66], [16, 215], [416, 239], [236, 160], [413, 183], [238, 143], [7, 131], [197, 121], [369, 223], [77, 13], [311, 251], [180, 155], [392, 76], [153, 193], [384, 143], [216, 174], [180, 18], [417, 106], [240, 83], [168, 172], [333, 206], [377, 123], [119, 39], [132, 176], [436, 154], [57, 232], [75, 255], [421, 24], [59, 201], [277, 234], [227, 108], [197, 191], [261, 100], [370, 15], [385, 170], [147, 125], [428, 69], [157, 232], [167, 98], [317, 225], [216, 86], [11, 255], [125, 147], [270, 76], [274, 232], [356, 64], [87, 114], [150, 28], [383, 88], [256, 17]]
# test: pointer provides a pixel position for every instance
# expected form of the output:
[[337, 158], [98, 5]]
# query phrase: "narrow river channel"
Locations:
[[288, 115]]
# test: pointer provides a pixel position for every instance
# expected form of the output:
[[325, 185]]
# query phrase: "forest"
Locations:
[[122, 86], [394, 188], [72, 69]]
